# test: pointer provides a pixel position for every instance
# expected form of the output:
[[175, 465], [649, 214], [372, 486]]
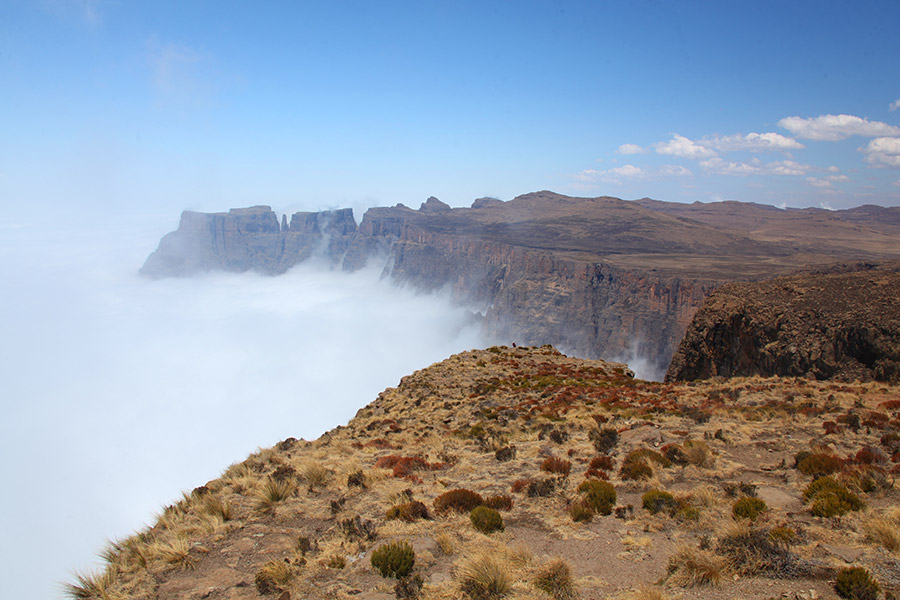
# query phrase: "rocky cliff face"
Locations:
[[843, 326], [246, 239], [600, 277]]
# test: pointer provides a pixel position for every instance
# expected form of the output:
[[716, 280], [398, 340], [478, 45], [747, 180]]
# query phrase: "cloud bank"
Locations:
[[123, 391]]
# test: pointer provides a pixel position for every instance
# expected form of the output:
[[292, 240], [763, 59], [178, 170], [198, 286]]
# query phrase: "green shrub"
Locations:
[[835, 504], [599, 495], [856, 583], [783, 535], [748, 508], [823, 484], [460, 500], [409, 511], [395, 559], [830, 498], [658, 500], [486, 520], [635, 470]]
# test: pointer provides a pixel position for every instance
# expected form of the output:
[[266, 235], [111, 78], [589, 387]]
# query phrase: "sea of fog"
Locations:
[[120, 392]]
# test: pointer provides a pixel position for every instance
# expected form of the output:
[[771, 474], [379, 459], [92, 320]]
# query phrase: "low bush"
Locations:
[[819, 464], [754, 551], [560, 466], [599, 495], [856, 583], [602, 462], [748, 508], [459, 500], [395, 559], [409, 511], [783, 535], [604, 439], [830, 498], [486, 520], [541, 488], [499, 502], [656, 501]]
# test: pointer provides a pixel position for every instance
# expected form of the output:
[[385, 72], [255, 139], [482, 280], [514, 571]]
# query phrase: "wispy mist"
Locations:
[[121, 391]]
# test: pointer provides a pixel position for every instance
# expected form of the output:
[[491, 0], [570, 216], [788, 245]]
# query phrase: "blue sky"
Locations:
[[156, 106]]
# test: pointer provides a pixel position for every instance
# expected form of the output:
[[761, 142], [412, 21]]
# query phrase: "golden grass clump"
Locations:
[[173, 552], [555, 579], [690, 567], [484, 577], [272, 576], [215, 506], [884, 530], [272, 492], [93, 586], [314, 475], [446, 542]]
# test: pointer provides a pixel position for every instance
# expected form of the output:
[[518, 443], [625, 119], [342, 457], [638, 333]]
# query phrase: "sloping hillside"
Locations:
[[566, 450]]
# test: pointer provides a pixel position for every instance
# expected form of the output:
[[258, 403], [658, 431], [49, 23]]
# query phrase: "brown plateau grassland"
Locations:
[[585, 482]]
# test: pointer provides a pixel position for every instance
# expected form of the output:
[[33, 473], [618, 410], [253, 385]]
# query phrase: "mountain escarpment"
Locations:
[[600, 277], [842, 326]]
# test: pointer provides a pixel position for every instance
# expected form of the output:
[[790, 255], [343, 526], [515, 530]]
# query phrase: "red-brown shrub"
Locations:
[[556, 465]]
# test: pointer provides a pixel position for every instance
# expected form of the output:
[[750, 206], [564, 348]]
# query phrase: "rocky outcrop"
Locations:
[[246, 239], [842, 325], [600, 277]]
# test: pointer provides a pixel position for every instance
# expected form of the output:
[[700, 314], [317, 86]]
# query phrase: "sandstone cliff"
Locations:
[[843, 326], [600, 277]]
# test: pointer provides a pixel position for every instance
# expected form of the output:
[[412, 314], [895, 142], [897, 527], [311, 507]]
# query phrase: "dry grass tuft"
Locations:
[[884, 530], [314, 475], [690, 567], [446, 542], [484, 577], [93, 586], [174, 552], [271, 492], [555, 578], [215, 506]]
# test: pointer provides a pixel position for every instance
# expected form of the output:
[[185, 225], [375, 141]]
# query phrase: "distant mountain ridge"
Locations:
[[599, 277]]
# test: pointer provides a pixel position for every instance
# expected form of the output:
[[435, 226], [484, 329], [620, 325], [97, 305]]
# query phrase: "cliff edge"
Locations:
[[843, 326]]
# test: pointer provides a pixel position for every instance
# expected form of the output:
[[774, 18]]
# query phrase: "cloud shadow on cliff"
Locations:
[[124, 391]]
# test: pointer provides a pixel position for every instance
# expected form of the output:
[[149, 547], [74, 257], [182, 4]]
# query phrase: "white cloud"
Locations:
[[831, 128], [631, 149], [754, 142], [897, 183], [674, 171], [883, 152], [895, 105], [615, 174], [683, 147], [717, 166], [817, 182]]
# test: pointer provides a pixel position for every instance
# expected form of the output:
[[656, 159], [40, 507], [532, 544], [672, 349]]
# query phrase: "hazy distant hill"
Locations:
[[600, 277]]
